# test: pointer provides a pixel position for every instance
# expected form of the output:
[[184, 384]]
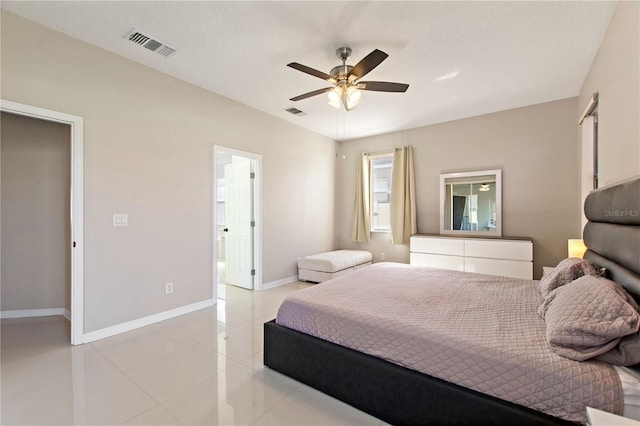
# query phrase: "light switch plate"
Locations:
[[120, 219]]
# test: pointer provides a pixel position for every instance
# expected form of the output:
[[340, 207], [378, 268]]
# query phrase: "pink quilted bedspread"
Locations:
[[478, 331]]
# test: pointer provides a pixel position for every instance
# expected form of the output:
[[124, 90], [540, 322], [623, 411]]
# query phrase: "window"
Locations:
[[381, 166]]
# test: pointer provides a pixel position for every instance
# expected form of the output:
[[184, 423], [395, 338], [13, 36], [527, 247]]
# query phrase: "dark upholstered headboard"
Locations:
[[612, 234]]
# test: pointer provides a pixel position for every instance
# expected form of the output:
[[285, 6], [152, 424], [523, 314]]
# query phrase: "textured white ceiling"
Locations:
[[506, 54]]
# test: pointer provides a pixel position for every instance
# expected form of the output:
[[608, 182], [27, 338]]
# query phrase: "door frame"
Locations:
[[76, 211], [257, 214]]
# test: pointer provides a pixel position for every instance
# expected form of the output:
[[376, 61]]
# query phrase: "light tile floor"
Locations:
[[203, 368]]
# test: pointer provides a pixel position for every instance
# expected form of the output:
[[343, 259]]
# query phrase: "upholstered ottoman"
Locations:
[[324, 266]]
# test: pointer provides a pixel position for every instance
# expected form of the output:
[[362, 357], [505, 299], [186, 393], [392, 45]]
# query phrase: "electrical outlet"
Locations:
[[168, 288], [381, 256]]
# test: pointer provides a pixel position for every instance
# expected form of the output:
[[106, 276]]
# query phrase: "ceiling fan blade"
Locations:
[[382, 86], [368, 63], [310, 71], [310, 94]]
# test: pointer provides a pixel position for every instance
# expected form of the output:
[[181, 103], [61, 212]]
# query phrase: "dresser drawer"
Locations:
[[448, 246], [507, 268], [499, 249], [455, 263]]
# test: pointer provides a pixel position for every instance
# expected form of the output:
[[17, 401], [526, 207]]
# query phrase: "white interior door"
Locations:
[[238, 245]]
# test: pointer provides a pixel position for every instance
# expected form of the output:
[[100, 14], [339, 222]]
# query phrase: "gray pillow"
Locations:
[[588, 317], [626, 353], [567, 270]]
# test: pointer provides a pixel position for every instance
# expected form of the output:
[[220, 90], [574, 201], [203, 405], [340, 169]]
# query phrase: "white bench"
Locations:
[[324, 266]]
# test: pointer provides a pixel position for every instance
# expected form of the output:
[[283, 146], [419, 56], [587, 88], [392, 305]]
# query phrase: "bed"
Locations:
[[369, 368]]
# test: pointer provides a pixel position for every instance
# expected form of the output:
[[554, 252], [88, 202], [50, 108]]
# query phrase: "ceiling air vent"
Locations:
[[150, 43], [295, 111]]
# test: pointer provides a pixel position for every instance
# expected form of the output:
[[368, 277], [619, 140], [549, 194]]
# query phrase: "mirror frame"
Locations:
[[443, 190]]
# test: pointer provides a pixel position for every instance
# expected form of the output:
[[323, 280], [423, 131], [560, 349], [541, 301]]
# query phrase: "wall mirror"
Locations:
[[471, 203]]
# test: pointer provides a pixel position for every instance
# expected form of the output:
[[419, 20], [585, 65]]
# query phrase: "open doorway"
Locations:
[[237, 220], [74, 237], [36, 236]]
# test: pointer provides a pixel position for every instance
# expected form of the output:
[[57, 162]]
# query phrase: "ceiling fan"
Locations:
[[346, 79]]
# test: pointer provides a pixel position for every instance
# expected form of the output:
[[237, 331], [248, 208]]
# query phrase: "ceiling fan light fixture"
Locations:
[[345, 78], [353, 96], [349, 97], [335, 97]]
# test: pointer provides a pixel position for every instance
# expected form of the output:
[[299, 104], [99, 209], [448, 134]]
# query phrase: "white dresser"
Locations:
[[499, 256]]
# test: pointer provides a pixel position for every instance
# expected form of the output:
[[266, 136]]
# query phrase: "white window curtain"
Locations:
[[360, 230], [403, 197]]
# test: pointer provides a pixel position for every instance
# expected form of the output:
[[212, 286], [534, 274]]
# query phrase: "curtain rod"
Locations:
[[388, 151]]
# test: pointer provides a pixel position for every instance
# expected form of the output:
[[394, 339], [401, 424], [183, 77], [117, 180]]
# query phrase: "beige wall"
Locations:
[[35, 214], [148, 152], [537, 148], [615, 75]]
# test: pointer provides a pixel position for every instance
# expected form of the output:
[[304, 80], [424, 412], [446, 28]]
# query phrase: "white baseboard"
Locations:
[[26, 313], [142, 322], [278, 283], [67, 314]]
